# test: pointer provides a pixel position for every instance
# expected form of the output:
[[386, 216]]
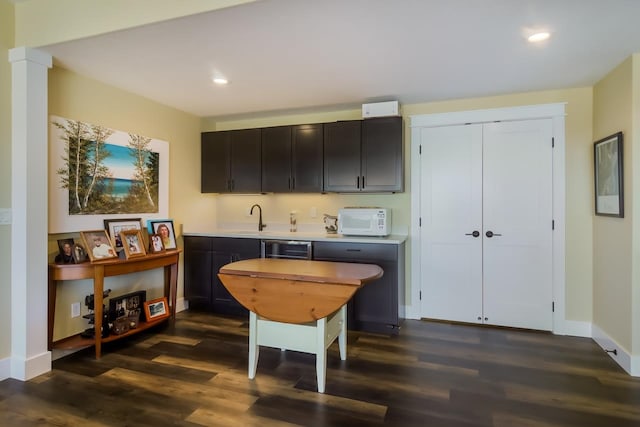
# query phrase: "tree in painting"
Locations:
[[104, 178], [145, 179]]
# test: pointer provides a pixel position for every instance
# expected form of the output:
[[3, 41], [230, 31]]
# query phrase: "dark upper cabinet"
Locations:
[[231, 161], [364, 155], [292, 159]]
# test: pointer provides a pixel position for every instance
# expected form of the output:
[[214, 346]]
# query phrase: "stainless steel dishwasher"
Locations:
[[288, 249]]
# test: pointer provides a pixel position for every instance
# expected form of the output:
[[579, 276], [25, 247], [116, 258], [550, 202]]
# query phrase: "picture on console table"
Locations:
[[128, 305], [65, 254], [133, 243], [97, 172], [116, 226], [98, 245], [156, 309], [165, 229]]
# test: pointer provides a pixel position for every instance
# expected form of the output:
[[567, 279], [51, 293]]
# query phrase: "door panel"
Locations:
[[518, 205], [495, 178], [451, 207]]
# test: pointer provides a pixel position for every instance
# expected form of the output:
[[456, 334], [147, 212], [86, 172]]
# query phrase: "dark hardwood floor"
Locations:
[[194, 373]]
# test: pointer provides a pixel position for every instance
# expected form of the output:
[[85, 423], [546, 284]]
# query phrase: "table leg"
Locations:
[[321, 353], [342, 338], [254, 348], [52, 310]]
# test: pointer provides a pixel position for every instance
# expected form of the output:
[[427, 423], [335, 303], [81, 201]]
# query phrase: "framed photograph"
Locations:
[[155, 244], [128, 305], [79, 253], [165, 229], [115, 226], [607, 155], [156, 309], [98, 245], [132, 243], [65, 254]]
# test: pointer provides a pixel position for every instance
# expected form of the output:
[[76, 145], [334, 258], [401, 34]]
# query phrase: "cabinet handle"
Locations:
[[353, 250], [363, 182], [358, 182], [293, 183], [490, 234], [475, 233]]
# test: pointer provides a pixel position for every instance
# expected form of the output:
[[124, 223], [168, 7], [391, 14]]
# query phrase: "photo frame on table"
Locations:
[[132, 243], [164, 227], [115, 226], [155, 244], [156, 309], [65, 252], [608, 176], [127, 305], [98, 245], [80, 253]]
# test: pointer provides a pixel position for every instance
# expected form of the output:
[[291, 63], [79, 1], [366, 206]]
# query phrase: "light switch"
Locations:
[[5, 216]]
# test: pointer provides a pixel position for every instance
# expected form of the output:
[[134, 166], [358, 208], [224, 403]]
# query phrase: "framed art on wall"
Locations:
[[608, 176], [97, 173]]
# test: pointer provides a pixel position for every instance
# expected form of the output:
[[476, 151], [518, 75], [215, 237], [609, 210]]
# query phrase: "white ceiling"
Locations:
[[300, 55]]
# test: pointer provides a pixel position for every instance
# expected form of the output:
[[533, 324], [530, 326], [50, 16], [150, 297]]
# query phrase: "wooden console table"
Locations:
[[97, 271], [296, 304]]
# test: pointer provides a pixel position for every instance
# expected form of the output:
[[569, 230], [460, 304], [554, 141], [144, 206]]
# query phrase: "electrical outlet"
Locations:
[[75, 309]]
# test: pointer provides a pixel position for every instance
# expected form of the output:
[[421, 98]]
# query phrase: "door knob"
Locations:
[[475, 233], [490, 234]]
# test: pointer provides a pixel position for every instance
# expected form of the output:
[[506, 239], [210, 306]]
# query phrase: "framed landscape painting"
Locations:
[[609, 196], [99, 173]]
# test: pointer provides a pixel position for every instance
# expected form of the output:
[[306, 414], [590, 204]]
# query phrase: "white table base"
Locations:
[[314, 337]]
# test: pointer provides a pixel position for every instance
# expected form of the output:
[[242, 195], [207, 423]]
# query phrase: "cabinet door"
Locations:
[[224, 251], [197, 271], [246, 168], [214, 161], [342, 156], [276, 159], [376, 304], [307, 158], [382, 158]]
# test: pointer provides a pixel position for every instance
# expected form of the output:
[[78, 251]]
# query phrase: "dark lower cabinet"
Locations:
[[203, 257], [379, 305]]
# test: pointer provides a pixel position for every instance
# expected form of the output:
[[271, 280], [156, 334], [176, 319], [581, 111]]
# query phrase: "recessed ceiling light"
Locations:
[[220, 81], [538, 37]]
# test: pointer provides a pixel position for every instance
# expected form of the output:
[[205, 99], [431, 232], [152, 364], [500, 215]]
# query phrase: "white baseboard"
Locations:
[[5, 368], [25, 369], [631, 364], [575, 328], [181, 305]]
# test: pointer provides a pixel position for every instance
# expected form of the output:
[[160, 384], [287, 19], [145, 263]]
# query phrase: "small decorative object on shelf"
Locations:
[[155, 244], [156, 309], [116, 226], [132, 243], [99, 244], [164, 228], [120, 326]]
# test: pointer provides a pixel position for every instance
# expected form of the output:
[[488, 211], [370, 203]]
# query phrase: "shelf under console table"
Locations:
[[97, 271]]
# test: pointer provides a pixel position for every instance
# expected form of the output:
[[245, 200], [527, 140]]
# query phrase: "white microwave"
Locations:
[[364, 221]]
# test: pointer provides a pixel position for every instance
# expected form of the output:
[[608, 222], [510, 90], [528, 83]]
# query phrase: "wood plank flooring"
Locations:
[[194, 373]]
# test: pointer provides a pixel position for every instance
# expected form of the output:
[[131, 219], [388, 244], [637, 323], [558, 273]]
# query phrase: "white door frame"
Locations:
[[556, 112]]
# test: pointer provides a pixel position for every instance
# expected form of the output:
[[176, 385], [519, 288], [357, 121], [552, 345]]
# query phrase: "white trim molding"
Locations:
[[628, 362]]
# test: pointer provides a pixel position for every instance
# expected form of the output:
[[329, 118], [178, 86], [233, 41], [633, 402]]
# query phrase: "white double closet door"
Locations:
[[486, 234]]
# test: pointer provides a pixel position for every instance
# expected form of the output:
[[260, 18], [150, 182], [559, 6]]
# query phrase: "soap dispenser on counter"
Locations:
[[293, 222]]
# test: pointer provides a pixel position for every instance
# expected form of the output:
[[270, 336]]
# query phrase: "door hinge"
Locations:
[[553, 307], [420, 298], [420, 222], [553, 142], [419, 149], [553, 224]]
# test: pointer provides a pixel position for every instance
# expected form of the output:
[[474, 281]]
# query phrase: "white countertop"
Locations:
[[299, 235]]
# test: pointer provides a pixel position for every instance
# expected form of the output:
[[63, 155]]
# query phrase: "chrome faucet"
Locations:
[[260, 224]]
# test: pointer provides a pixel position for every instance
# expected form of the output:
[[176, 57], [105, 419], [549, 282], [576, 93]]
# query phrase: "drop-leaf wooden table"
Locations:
[[296, 305]]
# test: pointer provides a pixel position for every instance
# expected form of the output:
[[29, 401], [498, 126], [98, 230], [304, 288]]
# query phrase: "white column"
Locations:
[[29, 233]]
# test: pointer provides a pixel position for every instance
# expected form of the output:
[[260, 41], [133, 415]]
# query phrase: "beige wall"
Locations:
[[232, 208], [44, 22], [612, 237], [6, 43], [79, 98]]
